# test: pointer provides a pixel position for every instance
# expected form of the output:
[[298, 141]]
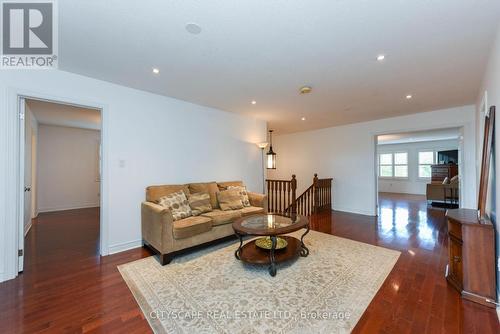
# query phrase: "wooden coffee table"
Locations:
[[273, 226]]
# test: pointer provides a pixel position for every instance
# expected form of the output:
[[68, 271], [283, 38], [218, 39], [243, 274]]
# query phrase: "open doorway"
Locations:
[[422, 166], [61, 160]]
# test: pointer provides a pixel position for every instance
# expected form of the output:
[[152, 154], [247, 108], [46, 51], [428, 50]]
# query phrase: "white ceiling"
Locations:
[[266, 50], [65, 115], [419, 136]]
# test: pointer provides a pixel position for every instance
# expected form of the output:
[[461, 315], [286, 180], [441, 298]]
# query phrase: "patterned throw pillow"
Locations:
[[177, 203], [243, 194], [199, 203], [229, 200]]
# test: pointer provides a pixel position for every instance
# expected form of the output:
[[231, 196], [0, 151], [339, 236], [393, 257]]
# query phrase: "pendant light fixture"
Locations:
[[271, 156]]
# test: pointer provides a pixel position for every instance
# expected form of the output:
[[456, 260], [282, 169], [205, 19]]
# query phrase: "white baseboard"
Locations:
[[86, 206], [124, 246], [28, 228], [356, 211]]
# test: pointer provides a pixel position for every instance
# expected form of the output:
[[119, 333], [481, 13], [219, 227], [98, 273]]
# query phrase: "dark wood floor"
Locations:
[[67, 288]]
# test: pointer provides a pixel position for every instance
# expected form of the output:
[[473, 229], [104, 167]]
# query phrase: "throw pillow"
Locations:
[[446, 180], [454, 179], [177, 203], [199, 203], [229, 200], [243, 194]]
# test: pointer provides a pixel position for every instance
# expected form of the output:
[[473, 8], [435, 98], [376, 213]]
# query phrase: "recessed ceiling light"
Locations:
[[193, 28], [380, 57], [254, 102], [156, 71], [303, 118], [409, 96]]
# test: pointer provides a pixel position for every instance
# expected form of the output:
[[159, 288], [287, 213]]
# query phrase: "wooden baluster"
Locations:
[[330, 194], [268, 195], [281, 192], [274, 196], [306, 199], [309, 205], [294, 195], [321, 194], [290, 197], [316, 193], [271, 208]]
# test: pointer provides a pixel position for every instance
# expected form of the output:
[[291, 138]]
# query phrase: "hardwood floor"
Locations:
[[67, 288]]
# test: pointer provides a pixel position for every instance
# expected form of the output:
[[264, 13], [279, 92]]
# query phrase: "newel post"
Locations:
[[316, 193], [294, 195]]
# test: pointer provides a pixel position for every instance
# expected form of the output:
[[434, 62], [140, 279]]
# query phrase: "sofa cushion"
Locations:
[[224, 185], [229, 200], [206, 187], [191, 226], [220, 217], [242, 190], [251, 210], [199, 203], [154, 193], [177, 203]]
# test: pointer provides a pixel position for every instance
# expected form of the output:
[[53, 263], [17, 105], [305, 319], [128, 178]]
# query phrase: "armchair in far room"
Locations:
[[446, 191]]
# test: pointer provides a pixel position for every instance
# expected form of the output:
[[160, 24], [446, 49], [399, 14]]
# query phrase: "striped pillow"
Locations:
[[200, 203], [230, 200]]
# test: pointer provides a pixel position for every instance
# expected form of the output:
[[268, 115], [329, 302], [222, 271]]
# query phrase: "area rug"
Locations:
[[209, 291]]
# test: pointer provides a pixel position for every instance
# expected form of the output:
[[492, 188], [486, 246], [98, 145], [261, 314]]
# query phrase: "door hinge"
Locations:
[[21, 115], [20, 253]]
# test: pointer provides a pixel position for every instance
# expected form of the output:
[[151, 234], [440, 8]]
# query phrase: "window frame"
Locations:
[[393, 166], [380, 165], [434, 158], [407, 165]]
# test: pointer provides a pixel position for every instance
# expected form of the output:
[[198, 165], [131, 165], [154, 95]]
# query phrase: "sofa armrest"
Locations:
[[259, 200], [157, 226], [435, 192]]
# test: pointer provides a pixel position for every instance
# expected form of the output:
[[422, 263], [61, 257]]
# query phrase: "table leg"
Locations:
[[304, 252], [272, 267], [238, 251]]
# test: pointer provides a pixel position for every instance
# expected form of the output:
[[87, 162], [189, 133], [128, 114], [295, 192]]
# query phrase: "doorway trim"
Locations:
[[466, 168], [13, 214]]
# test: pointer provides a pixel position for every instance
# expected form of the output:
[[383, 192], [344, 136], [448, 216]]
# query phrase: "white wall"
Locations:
[[347, 153], [149, 139], [68, 168], [491, 85], [413, 184]]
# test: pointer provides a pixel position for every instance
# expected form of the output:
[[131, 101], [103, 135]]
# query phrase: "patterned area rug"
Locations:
[[209, 291]]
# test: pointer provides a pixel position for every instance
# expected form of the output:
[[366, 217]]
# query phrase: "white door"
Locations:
[[25, 180]]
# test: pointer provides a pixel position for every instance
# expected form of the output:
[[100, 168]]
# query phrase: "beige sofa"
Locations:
[[167, 237]]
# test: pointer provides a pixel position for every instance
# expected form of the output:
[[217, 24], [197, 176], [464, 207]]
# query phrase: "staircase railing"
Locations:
[[282, 196], [305, 202], [322, 194]]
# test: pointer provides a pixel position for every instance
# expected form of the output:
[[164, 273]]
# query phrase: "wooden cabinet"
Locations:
[[440, 172], [471, 264]]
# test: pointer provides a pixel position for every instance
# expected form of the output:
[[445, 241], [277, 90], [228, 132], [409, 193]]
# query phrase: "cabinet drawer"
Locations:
[[455, 229]]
